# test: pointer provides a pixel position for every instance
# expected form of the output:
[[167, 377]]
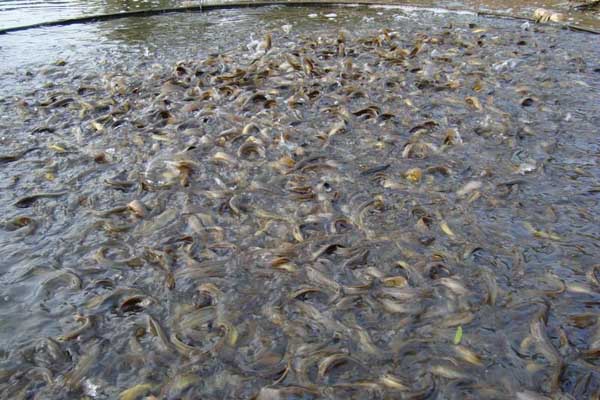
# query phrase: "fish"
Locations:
[[28, 201], [322, 213]]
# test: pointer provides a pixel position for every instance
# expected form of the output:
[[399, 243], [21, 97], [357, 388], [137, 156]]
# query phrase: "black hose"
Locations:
[[231, 5]]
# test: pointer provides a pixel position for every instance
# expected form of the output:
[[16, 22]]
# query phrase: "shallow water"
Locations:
[[17, 13], [333, 261]]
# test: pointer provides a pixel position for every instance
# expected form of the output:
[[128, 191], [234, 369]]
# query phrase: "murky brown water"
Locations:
[[407, 210]]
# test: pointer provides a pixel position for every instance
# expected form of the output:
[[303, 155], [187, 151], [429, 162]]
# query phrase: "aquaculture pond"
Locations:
[[300, 203]]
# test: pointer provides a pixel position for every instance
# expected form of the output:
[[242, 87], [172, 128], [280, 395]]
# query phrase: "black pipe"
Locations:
[[232, 5]]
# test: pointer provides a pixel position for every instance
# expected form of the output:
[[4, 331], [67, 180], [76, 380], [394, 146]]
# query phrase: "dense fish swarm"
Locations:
[[395, 214]]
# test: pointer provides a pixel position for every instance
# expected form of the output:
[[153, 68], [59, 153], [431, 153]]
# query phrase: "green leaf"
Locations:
[[458, 335]]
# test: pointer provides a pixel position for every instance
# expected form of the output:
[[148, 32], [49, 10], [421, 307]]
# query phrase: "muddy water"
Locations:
[[588, 18], [398, 213]]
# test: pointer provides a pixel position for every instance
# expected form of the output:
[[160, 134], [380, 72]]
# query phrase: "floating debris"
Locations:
[[458, 336]]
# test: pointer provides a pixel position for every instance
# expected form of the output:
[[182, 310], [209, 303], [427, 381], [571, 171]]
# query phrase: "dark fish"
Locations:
[[28, 201], [374, 170]]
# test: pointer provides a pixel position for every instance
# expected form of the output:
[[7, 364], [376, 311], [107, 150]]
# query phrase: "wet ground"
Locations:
[[373, 203]]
